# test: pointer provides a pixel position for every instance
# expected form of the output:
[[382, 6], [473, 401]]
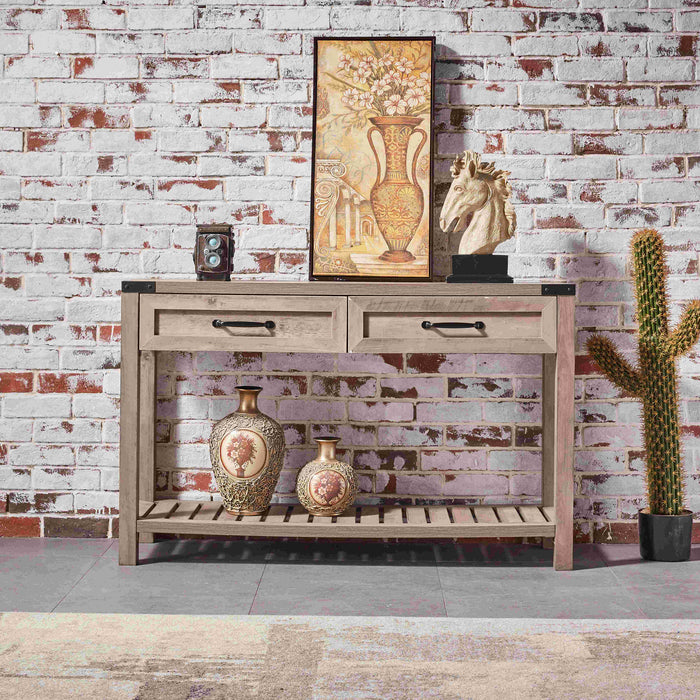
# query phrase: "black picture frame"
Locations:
[[431, 153]]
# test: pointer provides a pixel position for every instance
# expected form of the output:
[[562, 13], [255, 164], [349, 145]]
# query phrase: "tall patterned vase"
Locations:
[[326, 486], [397, 201], [247, 449]]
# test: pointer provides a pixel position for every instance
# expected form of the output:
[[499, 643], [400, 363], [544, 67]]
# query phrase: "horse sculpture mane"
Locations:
[[480, 189]]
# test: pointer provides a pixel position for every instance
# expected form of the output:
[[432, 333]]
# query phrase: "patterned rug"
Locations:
[[188, 657]]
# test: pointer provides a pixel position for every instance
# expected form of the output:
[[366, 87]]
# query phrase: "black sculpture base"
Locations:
[[480, 268]]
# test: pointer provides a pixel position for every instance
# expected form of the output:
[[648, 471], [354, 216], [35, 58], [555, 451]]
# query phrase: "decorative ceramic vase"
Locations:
[[397, 202], [326, 486], [246, 449]]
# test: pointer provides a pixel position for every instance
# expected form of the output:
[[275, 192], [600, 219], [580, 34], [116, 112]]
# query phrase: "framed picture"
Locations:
[[372, 160]]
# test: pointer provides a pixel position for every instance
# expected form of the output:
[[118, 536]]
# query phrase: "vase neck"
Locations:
[[326, 448], [248, 399], [396, 138]]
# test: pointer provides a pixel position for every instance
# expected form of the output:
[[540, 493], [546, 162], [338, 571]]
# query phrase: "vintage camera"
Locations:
[[213, 252]]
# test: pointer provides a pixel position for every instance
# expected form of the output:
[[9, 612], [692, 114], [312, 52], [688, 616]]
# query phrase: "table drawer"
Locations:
[[295, 323], [510, 324]]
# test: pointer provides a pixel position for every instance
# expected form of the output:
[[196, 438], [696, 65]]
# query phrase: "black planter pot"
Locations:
[[665, 537]]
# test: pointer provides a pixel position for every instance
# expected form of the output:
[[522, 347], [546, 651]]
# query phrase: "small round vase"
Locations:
[[326, 486], [246, 449]]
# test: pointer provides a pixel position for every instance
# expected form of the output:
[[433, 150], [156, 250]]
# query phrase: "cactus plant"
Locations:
[[654, 380]]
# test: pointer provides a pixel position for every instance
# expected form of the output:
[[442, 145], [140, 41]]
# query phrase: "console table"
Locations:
[[164, 315]]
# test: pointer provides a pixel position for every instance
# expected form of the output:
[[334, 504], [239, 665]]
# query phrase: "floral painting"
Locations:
[[243, 453], [372, 156]]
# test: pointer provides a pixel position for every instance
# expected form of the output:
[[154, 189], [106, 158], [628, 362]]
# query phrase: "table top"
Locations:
[[181, 286]]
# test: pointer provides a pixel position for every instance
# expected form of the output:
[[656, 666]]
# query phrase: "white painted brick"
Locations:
[[67, 431], [62, 42], [289, 117], [659, 69], [370, 18], [590, 69], [521, 142], [545, 46], [484, 94], [192, 140], [167, 261], [164, 115], [258, 188], [29, 358], [93, 310], [271, 237], [688, 21], [130, 43], [595, 167], [552, 94], [199, 41], [26, 116], [95, 406], [487, 20], [277, 91], [68, 237], [56, 286], [292, 18], [155, 164], [77, 92], [14, 43], [26, 212], [30, 455], [11, 141], [243, 66], [89, 164], [229, 18], [684, 142], [94, 18], [37, 67], [92, 358], [62, 479], [237, 116], [474, 44], [158, 18], [106, 67], [30, 19], [201, 91], [278, 43], [670, 191], [502, 118], [64, 188], [158, 213], [26, 406], [647, 119], [9, 188], [583, 119], [41, 261], [154, 91], [122, 141], [120, 188]]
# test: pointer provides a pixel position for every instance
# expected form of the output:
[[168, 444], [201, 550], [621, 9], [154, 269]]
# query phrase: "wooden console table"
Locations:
[[346, 317]]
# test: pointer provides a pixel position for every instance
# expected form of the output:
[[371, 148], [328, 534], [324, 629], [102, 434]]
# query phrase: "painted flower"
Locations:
[[395, 105], [380, 86], [366, 100], [364, 70], [423, 80], [345, 63], [414, 97], [350, 96], [403, 65], [386, 60]]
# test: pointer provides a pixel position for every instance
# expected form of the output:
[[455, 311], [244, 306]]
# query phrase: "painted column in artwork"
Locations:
[[348, 223], [332, 227]]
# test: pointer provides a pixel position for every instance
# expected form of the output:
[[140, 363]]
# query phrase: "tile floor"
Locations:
[[298, 578]]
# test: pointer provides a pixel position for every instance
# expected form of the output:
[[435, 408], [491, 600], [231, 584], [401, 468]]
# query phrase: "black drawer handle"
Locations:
[[479, 325], [218, 323]]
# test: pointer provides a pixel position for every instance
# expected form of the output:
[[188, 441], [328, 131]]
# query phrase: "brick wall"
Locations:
[[122, 124]]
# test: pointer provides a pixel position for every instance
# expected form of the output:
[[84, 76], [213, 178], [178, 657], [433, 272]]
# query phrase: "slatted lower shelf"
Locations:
[[362, 522]]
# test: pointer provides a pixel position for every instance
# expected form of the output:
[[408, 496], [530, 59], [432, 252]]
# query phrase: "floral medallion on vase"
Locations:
[[326, 486], [246, 449]]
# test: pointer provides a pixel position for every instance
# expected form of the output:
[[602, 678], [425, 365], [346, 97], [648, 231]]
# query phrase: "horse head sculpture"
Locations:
[[479, 189]]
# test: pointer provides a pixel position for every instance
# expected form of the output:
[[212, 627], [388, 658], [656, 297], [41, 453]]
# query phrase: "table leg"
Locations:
[[147, 419], [128, 434], [564, 427], [549, 403]]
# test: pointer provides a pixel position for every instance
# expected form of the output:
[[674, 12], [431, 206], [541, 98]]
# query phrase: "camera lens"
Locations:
[[213, 241], [213, 260]]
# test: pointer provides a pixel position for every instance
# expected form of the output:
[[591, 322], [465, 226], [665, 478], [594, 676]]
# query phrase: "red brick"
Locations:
[[69, 383], [18, 526], [16, 382], [97, 117], [75, 527]]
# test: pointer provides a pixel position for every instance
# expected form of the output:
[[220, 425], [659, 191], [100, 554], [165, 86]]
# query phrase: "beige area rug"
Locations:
[[151, 657]]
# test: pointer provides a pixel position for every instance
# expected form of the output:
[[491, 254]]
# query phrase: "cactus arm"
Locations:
[[687, 331], [614, 366]]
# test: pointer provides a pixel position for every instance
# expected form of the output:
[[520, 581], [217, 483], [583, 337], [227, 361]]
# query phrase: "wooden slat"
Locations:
[[147, 428], [415, 515], [485, 515], [299, 516], [508, 514], [532, 514], [393, 515], [417, 527], [185, 509], [462, 515], [162, 509], [549, 513], [275, 515], [208, 510], [369, 515], [439, 515], [144, 507], [347, 517]]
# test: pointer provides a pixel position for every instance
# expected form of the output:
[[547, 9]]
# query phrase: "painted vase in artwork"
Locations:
[[396, 200], [326, 486], [246, 449]]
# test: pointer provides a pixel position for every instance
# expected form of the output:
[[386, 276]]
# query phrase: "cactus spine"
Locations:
[[654, 380]]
